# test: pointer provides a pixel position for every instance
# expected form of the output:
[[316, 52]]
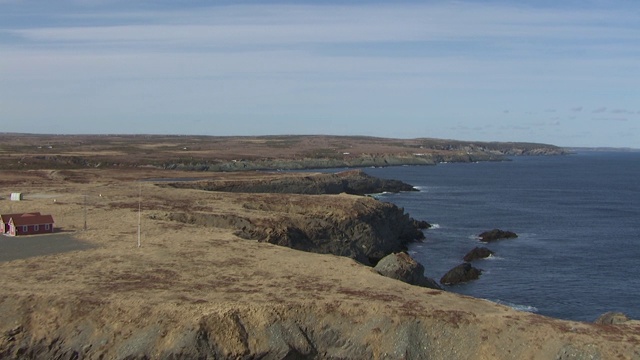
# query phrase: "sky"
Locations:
[[558, 72]]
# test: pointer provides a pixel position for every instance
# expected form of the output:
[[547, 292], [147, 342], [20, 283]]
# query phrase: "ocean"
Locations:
[[577, 217]]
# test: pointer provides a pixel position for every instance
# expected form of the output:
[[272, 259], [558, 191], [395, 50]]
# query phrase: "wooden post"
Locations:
[[139, 210], [85, 213]]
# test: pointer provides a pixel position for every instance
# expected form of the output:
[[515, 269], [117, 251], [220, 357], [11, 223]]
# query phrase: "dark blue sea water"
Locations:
[[577, 217]]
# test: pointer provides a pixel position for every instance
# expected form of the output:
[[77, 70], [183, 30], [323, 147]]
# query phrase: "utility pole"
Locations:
[[139, 210], [85, 213]]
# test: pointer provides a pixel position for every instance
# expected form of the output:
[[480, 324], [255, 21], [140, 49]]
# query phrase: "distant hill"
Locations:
[[237, 153], [603, 149]]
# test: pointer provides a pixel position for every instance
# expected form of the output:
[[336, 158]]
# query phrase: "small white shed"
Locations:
[[16, 196]]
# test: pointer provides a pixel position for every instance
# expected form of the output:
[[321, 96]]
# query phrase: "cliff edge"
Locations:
[[201, 291]]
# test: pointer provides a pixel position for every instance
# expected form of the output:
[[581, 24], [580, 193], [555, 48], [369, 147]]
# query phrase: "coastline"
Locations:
[[222, 154], [195, 288]]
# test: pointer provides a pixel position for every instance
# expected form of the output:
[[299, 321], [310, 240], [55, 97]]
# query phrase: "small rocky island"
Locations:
[[461, 274], [477, 253], [496, 234]]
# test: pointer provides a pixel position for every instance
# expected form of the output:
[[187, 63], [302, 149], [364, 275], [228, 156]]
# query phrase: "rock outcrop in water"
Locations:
[[477, 253], [496, 234], [460, 274]]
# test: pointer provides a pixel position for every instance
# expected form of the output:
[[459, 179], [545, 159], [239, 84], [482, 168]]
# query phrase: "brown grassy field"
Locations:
[[27, 151], [117, 300]]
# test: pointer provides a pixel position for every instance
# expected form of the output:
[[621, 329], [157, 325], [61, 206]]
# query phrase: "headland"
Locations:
[[220, 272]]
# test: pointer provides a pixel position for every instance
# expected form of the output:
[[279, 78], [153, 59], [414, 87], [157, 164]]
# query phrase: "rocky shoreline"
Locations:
[[221, 154], [353, 182], [216, 278], [363, 229]]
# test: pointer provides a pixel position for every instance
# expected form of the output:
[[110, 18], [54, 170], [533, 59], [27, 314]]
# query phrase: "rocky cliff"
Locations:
[[354, 182], [362, 228], [195, 290]]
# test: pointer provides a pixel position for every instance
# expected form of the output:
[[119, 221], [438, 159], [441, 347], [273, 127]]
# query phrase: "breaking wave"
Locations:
[[525, 308]]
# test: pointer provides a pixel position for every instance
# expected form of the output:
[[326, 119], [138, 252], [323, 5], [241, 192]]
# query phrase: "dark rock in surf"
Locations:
[[401, 266], [460, 274], [496, 234], [477, 253], [420, 224]]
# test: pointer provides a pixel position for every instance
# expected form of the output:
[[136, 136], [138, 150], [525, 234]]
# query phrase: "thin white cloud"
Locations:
[[621, 111], [451, 62], [621, 119], [289, 24]]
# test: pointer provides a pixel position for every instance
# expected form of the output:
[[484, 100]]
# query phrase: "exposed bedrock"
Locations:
[[477, 253], [496, 234], [460, 274], [360, 228], [354, 182]]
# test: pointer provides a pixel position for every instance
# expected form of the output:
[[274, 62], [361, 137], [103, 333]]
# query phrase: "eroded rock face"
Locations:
[[401, 266], [366, 236], [496, 234], [477, 253], [276, 331], [460, 274], [421, 224], [354, 182], [360, 228]]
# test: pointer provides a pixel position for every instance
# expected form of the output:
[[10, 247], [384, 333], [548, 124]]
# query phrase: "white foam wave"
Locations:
[[493, 257], [435, 226], [525, 308], [378, 195]]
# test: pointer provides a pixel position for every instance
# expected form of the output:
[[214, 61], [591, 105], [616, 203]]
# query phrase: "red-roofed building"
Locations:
[[4, 220], [26, 224]]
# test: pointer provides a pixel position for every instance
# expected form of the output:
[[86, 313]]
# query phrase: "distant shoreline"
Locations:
[[246, 153], [603, 149]]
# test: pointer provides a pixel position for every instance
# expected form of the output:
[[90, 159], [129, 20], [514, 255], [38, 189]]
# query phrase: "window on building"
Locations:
[[36, 227], [46, 227], [25, 228]]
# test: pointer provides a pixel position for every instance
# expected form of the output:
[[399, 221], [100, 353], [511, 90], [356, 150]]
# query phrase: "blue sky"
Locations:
[[559, 72]]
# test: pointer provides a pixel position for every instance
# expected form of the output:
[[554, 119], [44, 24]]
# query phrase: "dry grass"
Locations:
[[183, 271]]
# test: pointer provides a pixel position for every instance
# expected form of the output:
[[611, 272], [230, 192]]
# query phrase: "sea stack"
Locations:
[[496, 234]]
